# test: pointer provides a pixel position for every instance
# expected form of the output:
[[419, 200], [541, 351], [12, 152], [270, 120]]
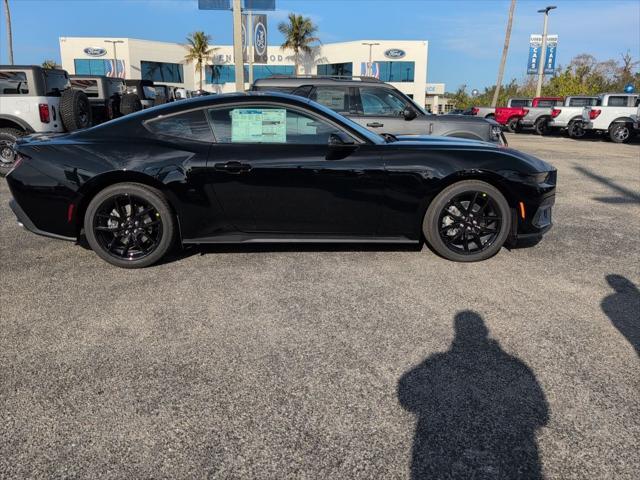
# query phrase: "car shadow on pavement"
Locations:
[[627, 195], [623, 308], [477, 408]]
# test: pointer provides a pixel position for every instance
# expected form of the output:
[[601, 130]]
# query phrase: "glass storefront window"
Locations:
[[336, 69], [396, 71], [161, 72], [219, 74]]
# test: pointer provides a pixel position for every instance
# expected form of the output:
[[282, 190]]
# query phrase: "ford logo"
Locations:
[[95, 51], [394, 53], [260, 39]]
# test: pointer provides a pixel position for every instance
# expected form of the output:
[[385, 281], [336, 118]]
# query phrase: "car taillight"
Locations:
[[44, 112], [525, 111], [475, 110], [555, 112], [594, 112]]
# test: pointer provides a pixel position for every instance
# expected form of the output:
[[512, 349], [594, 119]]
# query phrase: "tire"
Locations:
[[75, 110], [576, 130], [513, 125], [542, 126], [114, 234], [436, 230], [8, 137], [620, 132], [129, 103]]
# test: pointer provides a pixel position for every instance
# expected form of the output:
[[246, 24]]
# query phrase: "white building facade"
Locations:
[[400, 63]]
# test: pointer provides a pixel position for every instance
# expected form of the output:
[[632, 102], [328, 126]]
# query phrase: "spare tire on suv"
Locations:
[[75, 110], [129, 103]]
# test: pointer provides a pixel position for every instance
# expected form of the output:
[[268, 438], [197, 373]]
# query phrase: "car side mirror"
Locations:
[[338, 139], [341, 146], [409, 113]]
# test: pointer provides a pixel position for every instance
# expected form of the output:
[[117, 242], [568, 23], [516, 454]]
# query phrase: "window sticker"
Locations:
[[259, 126]]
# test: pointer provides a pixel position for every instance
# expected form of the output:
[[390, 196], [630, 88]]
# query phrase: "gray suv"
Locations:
[[380, 107]]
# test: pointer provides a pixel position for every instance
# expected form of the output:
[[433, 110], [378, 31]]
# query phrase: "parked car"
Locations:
[[569, 115], [527, 113], [380, 107], [181, 93], [144, 89], [539, 114], [484, 112], [251, 167], [37, 100], [164, 94], [613, 115], [107, 96], [510, 115]]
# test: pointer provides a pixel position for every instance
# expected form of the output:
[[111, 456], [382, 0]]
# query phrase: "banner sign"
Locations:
[[535, 46], [370, 69], [535, 53], [550, 57], [260, 38]]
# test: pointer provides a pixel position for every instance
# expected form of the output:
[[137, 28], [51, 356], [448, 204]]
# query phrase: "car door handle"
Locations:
[[375, 124], [232, 167]]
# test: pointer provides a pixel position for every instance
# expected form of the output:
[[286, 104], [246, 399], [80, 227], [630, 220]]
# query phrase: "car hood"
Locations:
[[435, 140], [460, 119]]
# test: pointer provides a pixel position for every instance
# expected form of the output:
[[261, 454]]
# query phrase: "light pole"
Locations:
[[505, 49], [543, 53], [370, 65], [115, 57]]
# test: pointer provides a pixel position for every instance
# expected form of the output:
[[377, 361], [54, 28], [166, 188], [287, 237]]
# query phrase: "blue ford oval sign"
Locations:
[[95, 51], [394, 53]]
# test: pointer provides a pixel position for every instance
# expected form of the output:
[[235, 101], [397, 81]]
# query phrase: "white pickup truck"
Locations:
[[569, 115], [615, 114]]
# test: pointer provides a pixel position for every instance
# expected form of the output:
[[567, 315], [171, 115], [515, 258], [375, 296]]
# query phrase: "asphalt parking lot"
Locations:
[[340, 362]]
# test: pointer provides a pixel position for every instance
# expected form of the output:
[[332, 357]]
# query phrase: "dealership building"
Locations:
[[400, 63]]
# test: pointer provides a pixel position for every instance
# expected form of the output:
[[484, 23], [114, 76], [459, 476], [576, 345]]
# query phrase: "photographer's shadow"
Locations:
[[477, 408]]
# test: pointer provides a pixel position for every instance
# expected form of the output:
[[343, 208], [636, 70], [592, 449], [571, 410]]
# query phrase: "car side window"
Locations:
[[335, 98], [13, 83], [191, 125], [381, 102], [268, 124]]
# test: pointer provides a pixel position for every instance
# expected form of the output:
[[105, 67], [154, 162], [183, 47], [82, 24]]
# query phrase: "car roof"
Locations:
[[296, 81]]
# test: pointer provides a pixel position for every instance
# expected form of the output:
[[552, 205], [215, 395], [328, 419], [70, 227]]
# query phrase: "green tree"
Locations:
[[50, 64], [299, 36], [199, 51]]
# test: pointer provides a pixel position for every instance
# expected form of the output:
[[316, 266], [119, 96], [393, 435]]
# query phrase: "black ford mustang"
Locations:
[[268, 167]]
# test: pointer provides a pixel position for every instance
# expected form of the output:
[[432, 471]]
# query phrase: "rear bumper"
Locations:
[[25, 222]]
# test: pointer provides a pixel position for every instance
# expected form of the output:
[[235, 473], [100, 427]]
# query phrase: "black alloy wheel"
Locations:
[[576, 129], [513, 125], [129, 225], [468, 221]]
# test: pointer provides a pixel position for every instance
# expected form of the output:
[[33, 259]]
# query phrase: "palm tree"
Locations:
[[199, 50], [7, 16], [50, 64], [298, 36]]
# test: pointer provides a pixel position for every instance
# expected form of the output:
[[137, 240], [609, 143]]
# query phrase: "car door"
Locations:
[[273, 171], [380, 110]]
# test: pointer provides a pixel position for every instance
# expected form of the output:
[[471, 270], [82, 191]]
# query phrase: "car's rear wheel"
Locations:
[[129, 225], [468, 221], [8, 137], [513, 125], [542, 126], [620, 133], [576, 129]]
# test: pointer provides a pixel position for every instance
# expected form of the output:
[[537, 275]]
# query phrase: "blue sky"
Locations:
[[465, 36]]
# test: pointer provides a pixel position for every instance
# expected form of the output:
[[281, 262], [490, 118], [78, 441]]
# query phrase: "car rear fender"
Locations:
[[100, 182], [622, 120]]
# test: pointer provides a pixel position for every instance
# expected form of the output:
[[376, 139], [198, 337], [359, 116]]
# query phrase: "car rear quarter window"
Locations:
[[335, 98], [56, 82], [13, 83], [582, 102], [89, 87], [191, 125], [268, 124]]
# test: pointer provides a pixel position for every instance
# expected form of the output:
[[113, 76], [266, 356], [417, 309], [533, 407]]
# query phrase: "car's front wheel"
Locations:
[[468, 221], [513, 125], [129, 225]]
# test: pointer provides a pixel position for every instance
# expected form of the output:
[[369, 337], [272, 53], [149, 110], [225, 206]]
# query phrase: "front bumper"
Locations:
[[533, 227]]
